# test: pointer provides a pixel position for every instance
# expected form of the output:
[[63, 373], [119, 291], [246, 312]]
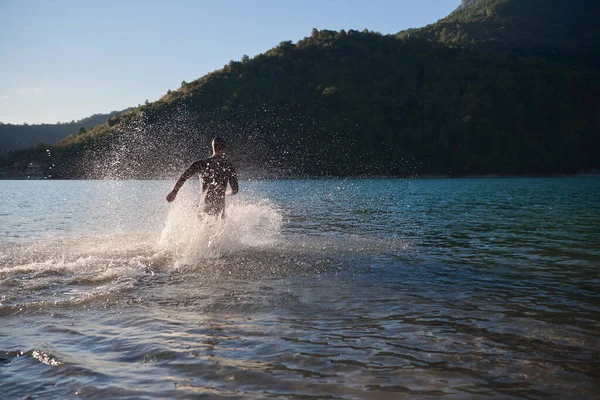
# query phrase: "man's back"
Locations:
[[215, 173]]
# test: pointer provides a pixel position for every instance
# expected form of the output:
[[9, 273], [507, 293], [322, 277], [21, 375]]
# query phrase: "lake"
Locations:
[[335, 288]]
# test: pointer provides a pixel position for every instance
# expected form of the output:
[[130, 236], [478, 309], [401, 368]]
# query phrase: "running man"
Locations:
[[214, 172]]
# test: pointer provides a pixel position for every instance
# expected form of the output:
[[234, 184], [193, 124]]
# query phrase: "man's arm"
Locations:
[[193, 169]]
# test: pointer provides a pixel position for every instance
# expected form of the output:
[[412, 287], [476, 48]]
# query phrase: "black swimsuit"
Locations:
[[215, 172]]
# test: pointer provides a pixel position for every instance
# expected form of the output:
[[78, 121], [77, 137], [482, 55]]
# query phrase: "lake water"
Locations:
[[353, 289]]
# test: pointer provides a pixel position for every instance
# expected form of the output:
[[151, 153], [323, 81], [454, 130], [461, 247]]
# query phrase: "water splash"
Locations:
[[189, 236]]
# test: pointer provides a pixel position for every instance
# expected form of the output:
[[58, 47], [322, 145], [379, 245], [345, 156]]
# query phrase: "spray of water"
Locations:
[[189, 235]]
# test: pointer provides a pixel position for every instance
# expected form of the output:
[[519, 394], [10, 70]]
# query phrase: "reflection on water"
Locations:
[[393, 289]]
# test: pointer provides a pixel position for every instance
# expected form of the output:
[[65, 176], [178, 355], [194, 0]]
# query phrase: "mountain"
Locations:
[[17, 137], [497, 87], [565, 31], [468, 3]]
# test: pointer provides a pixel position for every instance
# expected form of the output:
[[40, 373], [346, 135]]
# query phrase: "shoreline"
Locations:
[[330, 177]]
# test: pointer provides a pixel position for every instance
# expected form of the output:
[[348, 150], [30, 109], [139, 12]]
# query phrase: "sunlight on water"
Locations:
[[45, 358]]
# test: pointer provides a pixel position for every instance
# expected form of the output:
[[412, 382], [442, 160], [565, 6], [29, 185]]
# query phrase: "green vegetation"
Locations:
[[562, 31], [499, 87]]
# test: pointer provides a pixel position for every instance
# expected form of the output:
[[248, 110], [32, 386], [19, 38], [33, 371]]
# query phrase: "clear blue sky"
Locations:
[[64, 60]]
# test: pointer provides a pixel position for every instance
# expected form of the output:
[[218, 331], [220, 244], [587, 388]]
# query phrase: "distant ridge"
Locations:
[[20, 136]]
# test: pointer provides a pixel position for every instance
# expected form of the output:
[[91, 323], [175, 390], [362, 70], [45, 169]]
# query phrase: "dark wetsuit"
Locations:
[[215, 172]]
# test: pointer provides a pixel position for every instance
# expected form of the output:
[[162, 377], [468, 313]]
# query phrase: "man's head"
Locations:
[[219, 145]]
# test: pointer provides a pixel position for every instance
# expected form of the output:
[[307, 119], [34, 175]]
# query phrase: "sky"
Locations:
[[63, 60]]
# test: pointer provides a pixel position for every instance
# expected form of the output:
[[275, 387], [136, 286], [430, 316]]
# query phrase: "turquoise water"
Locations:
[[382, 289]]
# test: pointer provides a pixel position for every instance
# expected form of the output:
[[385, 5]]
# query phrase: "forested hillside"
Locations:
[[498, 87], [16, 137], [561, 31], [468, 3]]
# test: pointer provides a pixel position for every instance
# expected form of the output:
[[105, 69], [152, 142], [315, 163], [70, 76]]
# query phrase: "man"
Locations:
[[214, 172]]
